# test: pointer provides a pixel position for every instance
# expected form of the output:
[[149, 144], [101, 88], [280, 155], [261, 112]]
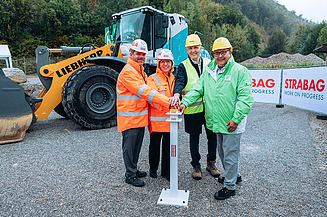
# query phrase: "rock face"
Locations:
[[284, 58], [15, 74]]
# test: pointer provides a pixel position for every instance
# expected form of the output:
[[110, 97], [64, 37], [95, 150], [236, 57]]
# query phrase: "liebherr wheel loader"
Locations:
[[83, 87]]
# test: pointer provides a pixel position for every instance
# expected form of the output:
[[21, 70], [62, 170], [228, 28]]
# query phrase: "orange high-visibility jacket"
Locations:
[[133, 95], [164, 84]]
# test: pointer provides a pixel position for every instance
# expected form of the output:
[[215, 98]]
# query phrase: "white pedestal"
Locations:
[[169, 198], [173, 196]]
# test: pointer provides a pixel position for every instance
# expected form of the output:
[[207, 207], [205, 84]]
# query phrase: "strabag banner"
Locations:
[[266, 85], [305, 88]]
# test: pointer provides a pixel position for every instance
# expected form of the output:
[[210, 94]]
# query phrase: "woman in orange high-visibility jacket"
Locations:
[[133, 96], [162, 81]]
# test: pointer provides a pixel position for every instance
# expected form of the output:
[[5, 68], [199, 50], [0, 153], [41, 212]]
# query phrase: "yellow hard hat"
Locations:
[[193, 40], [221, 43]]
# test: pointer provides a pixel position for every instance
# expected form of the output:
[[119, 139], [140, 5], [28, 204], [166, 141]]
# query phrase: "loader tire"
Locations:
[[60, 110], [89, 97]]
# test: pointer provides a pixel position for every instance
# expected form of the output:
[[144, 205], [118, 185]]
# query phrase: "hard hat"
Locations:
[[221, 43], [140, 46], [165, 54], [193, 40]]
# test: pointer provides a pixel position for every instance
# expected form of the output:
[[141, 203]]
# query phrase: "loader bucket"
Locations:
[[15, 113]]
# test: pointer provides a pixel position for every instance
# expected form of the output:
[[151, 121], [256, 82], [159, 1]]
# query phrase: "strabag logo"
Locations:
[[261, 83], [76, 65], [304, 84], [311, 89]]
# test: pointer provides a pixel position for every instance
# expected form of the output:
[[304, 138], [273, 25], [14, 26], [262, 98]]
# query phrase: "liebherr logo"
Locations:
[[76, 65]]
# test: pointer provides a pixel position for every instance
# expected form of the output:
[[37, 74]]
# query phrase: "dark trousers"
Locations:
[[132, 143], [154, 152], [194, 147]]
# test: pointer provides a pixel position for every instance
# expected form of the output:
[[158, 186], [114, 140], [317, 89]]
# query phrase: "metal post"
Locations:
[[173, 196], [280, 105]]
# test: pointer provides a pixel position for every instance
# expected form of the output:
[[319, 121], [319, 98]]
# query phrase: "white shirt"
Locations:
[[217, 71]]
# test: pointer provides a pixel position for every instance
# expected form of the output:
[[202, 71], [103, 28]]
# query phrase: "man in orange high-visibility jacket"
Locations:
[[133, 98]]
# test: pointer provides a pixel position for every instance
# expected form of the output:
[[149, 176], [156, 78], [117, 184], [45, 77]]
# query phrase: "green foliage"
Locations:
[[308, 37], [322, 39], [268, 14], [277, 42], [26, 24]]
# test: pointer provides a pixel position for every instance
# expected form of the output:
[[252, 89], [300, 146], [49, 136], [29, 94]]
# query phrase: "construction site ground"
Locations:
[[60, 169]]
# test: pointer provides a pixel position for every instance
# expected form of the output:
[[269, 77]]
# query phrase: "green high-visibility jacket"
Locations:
[[227, 98]]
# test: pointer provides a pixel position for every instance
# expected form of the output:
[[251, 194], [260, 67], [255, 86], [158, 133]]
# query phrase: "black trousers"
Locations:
[[154, 152], [194, 147], [193, 126], [132, 143]]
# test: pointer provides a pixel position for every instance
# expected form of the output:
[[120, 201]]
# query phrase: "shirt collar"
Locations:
[[219, 70], [196, 62]]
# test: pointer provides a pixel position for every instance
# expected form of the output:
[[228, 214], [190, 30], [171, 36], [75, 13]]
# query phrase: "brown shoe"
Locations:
[[197, 172], [211, 167]]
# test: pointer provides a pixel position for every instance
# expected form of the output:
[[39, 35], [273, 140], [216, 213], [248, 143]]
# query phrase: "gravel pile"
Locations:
[[284, 58]]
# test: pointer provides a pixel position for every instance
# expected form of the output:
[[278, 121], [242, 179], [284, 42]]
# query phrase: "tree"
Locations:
[[253, 38], [277, 42], [322, 39], [301, 35]]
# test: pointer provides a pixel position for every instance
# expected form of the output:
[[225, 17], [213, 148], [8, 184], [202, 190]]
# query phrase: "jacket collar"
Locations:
[[161, 73], [135, 65], [210, 68]]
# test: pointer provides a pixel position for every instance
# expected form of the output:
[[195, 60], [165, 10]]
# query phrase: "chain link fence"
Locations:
[[28, 64]]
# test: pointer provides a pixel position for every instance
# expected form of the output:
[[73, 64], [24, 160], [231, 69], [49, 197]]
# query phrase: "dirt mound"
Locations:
[[284, 58]]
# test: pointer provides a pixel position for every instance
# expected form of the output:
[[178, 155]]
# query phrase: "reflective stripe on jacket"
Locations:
[[133, 95], [165, 85], [235, 82], [192, 77]]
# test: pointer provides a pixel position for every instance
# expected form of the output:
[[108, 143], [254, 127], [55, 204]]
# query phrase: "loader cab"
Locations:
[[159, 29]]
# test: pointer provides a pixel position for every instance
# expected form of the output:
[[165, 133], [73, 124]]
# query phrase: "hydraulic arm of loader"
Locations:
[[54, 76]]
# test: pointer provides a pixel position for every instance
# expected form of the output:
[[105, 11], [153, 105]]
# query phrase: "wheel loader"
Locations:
[[83, 87]]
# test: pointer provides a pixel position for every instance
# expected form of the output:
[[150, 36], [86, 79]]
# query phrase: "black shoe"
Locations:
[[140, 174], [224, 193], [134, 181], [153, 174], [221, 179]]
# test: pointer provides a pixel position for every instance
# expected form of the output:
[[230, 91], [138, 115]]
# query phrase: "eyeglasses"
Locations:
[[223, 53]]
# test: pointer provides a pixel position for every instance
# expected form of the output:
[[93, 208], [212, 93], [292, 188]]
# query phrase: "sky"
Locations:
[[314, 10]]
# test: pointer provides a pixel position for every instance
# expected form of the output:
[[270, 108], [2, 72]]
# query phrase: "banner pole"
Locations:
[[280, 105]]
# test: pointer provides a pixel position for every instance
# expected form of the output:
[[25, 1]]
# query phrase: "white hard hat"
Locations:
[[165, 54], [140, 46]]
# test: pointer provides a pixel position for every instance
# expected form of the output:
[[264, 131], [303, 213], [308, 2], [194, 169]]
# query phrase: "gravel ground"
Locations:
[[62, 170]]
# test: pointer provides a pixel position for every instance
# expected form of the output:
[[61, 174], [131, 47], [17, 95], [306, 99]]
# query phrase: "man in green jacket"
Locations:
[[227, 90]]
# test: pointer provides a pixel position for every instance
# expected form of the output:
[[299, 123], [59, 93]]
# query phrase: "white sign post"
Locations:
[[173, 196]]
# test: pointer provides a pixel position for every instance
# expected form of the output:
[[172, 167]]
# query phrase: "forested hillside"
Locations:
[[254, 27]]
